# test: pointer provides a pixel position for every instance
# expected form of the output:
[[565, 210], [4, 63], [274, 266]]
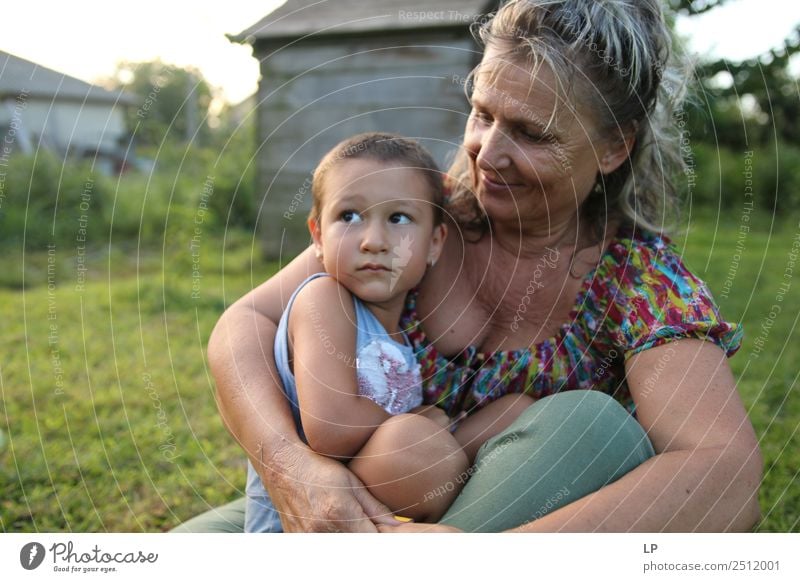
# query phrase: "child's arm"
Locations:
[[433, 412], [322, 333]]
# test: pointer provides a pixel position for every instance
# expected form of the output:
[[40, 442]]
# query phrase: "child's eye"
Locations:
[[350, 216], [400, 218]]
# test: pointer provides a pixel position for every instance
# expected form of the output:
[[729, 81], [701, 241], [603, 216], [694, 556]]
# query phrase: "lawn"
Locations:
[[108, 407], [108, 415]]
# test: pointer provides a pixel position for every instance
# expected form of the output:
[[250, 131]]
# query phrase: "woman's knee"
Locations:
[[585, 419], [588, 410]]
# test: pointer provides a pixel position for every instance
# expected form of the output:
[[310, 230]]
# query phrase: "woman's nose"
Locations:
[[374, 238], [493, 149]]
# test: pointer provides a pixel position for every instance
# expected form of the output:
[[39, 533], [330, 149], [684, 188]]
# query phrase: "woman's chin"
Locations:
[[501, 208]]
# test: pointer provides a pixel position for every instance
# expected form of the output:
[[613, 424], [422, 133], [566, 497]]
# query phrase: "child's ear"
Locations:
[[437, 243], [316, 236]]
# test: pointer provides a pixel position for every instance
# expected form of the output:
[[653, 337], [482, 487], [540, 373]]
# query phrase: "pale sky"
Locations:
[[86, 38]]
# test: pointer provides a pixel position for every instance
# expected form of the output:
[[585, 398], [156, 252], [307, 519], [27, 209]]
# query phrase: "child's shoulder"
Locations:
[[322, 299]]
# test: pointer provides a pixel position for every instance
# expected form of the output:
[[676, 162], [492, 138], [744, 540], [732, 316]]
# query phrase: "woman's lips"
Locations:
[[495, 185]]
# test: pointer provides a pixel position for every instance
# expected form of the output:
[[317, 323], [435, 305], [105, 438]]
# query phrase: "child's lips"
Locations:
[[374, 267]]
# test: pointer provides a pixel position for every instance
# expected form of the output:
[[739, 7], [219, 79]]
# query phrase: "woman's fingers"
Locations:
[[327, 510], [329, 498], [377, 512]]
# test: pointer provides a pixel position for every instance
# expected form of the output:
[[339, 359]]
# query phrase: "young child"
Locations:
[[348, 370]]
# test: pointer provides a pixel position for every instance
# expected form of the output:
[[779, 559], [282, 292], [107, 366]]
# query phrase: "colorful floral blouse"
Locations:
[[641, 295]]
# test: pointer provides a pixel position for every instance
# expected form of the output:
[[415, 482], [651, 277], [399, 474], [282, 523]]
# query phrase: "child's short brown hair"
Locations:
[[382, 147]]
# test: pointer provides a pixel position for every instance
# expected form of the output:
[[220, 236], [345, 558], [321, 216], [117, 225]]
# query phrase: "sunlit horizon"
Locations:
[[86, 39]]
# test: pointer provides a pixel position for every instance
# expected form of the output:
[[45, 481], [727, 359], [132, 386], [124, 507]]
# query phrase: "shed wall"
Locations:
[[314, 95]]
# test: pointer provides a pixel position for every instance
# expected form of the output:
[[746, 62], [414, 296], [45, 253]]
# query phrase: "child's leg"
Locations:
[[412, 465], [489, 421]]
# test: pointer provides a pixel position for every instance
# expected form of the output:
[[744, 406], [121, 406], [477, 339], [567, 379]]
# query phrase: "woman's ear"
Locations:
[[437, 243], [617, 152], [316, 236]]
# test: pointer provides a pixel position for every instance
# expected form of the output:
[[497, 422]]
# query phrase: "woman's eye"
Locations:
[[400, 218], [481, 116], [534, 135], [531, 136], [350, 216]]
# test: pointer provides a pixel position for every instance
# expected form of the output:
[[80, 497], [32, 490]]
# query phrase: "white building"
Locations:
[[42, 108]]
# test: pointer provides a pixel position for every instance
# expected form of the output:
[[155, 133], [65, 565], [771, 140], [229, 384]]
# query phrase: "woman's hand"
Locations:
[[418, 528], [317, 494]]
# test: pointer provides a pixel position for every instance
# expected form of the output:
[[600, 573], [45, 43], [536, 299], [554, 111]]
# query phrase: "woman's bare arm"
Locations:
[[313, 493], [707, 470]]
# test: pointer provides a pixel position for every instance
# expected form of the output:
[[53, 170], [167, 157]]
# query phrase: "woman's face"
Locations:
[[533, 158]]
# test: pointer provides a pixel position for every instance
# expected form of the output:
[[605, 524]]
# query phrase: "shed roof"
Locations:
[[18, 75], [297, 18]]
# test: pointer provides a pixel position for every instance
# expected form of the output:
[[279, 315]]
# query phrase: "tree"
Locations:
[[750, 102], [174, 102], [766, 88], [740, 108]]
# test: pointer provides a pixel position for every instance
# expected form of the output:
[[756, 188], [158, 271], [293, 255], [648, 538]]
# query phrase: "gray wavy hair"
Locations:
[[616, 60]]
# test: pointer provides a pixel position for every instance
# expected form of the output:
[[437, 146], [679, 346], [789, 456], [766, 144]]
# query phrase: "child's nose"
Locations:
[[374, 239]]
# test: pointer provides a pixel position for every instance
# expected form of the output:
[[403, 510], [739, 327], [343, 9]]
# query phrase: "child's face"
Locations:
[[376, 231]]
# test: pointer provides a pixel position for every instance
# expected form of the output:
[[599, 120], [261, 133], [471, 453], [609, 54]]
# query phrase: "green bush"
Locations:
[[46, 200], [721, 175], [43, 199], [234, 199]]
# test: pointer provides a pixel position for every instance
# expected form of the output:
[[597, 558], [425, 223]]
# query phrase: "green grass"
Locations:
[[89, 451], [767, 378], [110, 416]]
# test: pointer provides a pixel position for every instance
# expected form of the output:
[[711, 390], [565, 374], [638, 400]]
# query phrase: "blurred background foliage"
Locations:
[[190, 134], [738, 107]]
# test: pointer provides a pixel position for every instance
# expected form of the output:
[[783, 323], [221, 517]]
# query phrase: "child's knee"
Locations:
[[407, 457], [414, 440], [405, 431]]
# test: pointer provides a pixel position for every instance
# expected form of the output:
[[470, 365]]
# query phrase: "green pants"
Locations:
[[560, 449]]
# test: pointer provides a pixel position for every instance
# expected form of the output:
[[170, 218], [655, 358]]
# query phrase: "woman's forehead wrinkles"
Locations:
[[520, 99]]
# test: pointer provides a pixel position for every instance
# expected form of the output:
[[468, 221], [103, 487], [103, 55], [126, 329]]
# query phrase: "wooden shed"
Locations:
[[333, 68]]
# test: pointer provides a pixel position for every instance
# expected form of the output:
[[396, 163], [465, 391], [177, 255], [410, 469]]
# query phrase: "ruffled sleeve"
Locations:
[[655, 299]]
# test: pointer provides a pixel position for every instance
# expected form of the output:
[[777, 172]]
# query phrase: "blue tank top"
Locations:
[[387, 371]]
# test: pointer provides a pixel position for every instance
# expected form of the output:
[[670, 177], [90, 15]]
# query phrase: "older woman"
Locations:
[[556, 282]]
